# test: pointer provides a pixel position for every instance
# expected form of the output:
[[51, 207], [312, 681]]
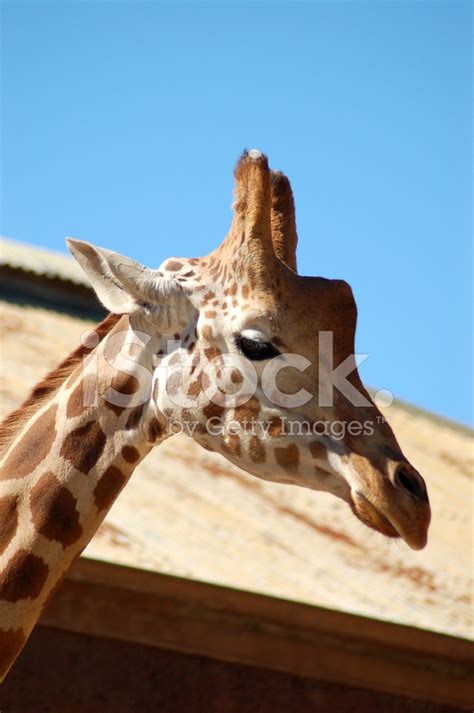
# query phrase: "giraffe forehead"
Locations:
[[221, 285], [226, 290]]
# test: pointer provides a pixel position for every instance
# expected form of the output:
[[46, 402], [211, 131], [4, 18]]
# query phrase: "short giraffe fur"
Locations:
[[68, 451]]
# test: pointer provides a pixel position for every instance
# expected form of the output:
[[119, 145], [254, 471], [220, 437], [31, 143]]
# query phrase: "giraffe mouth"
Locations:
[[414, 534], [369, 514]]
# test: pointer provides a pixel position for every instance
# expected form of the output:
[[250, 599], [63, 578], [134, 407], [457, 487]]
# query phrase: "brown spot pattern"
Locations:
[[232, 444], [114, 407], [33, 447], [173, 265], [155, 430], [83, 446], [175, 358], [23, 577], [248, 410], [236, 377], [8, 520], [207, 332], [212, 410], [194, 388], [288, 457], [134, 418], [125, 384], [212, 352], [256, 450], [174, 383], [108, 487], [276, 427], [130, 454], [83, 391], [317, 449], [54, 512]]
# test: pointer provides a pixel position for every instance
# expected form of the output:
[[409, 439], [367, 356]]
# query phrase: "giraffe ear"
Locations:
[[284, 235], [121, 284]]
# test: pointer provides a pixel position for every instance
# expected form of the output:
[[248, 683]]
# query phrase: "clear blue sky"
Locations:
[[122, 122]]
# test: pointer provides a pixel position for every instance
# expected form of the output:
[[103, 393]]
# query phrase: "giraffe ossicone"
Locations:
[[231, 348]]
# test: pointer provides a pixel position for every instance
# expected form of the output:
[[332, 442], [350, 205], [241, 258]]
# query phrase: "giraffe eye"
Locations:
[[256, 349]]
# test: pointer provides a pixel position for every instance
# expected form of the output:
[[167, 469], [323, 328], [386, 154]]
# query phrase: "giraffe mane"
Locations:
[[46, 388]]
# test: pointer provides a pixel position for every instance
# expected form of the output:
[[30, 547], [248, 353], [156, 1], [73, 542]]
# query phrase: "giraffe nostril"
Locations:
[[412, 483]]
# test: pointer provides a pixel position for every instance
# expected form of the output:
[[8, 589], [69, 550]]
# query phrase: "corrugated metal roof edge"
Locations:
[[31, 259]]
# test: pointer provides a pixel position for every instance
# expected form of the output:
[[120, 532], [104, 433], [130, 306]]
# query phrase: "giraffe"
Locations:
[[228, 346]]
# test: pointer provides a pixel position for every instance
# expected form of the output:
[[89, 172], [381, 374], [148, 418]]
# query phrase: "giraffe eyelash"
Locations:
[[255, 349]]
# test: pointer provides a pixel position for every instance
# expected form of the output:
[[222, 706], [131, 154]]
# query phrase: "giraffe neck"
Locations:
[[60, 475]]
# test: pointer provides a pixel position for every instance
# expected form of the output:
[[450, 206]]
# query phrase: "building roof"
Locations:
[[41, 261], [190, 513]]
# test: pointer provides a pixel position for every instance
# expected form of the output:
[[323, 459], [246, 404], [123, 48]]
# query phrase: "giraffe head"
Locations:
[[257, 362]]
